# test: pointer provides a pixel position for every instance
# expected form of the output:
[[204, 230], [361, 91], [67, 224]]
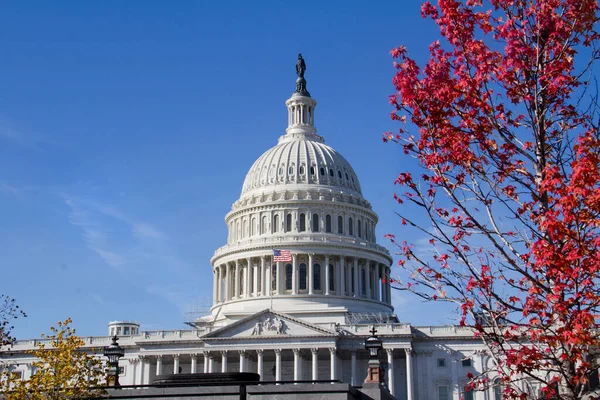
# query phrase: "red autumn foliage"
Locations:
[[505, 129]]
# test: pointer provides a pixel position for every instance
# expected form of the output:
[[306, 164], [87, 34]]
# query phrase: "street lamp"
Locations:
[[113, 353], [373, 345]]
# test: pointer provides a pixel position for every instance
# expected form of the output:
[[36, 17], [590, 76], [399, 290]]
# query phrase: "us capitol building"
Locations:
[[297, 287]]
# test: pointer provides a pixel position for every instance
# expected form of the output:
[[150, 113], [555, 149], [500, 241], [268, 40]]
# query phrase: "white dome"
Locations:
[[300, 160]]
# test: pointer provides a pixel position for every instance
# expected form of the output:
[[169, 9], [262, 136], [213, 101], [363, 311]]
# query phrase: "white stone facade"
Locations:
[[307, 318]]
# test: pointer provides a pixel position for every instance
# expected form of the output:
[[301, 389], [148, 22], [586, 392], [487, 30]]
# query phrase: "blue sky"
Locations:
[[127, 128]]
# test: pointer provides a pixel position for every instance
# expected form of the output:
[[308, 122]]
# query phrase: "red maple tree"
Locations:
[[504, 127]]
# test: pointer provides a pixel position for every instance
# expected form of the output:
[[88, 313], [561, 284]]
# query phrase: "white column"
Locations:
[[278, 282], [226, 285], [194, 365], [409, 379], [342, 276], [296, 364], [294, 274], [454, 372], [242, 361], [377, 284], [327, 276], [333, 361], [236, 281], [145, 369], [134, 364], [354, 380], [205, 354], [248, 277], [338, 278], [263, 272], [311, 274], [389, 285], [368, 278], [277, 364], [356, 278], [224, 361], [158, 364], [255, 280], [176, 364], [215, 280], [315, 364], [390, 359], [259, 363], [211, 363]]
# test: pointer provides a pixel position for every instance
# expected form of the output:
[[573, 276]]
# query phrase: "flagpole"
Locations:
[[271, 280]]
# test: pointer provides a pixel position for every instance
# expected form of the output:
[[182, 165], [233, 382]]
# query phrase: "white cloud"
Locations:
[[10, 190]]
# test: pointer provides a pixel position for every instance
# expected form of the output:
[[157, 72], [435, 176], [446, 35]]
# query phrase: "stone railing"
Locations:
[[291, 239]]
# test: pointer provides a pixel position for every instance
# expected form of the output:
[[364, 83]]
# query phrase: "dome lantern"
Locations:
[[301, 109]]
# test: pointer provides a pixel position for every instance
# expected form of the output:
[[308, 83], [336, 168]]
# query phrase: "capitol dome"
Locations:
[[301, 236], [300, 160]]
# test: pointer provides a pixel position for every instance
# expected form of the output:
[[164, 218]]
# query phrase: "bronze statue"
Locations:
[[300, 66]]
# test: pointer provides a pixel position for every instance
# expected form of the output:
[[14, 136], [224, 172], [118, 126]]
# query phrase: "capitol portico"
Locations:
[[298, 285]]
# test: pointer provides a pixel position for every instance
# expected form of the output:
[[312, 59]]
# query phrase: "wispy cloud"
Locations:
[[9, 132], [137, 249], [10, 190]]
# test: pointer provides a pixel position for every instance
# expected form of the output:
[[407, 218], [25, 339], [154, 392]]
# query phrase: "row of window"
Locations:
[[444, 392], [124, 331], [348, 276], [268, 175], [364, 229]]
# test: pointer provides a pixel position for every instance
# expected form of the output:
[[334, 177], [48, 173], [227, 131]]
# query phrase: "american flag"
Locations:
[[282, 255]]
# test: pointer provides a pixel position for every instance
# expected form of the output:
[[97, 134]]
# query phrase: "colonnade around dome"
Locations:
[[307, 274]]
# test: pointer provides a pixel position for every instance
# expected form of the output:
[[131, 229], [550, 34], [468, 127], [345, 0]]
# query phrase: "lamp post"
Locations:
[[373, 345], [113, 353]]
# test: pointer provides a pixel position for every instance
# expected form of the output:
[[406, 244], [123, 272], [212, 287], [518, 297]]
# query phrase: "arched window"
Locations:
[[443, 392], [253, 226], [264, 224], [312, 170], [275, 223], [302, 222], [359, 224], [340, 225], [331, 277], [322, 171], [340, 174], [244, 228], [350, 227], [302, 277], [328, 223], [497, 389], [352, 281], [291, 170], [315, 223], [317, 276], [467, 394], [331, 173], [288, 277], [288, 223], [363, 282], [302, 170], [274, 277]]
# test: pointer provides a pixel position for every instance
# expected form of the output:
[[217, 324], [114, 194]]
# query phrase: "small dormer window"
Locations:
[[280, 170], [322, 171], [346, 176], [312, 170], [291, 170], [331, 172], [340, 174], [302, 170]]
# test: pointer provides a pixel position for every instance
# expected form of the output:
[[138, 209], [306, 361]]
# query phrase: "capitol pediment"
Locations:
[[267, 324]]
